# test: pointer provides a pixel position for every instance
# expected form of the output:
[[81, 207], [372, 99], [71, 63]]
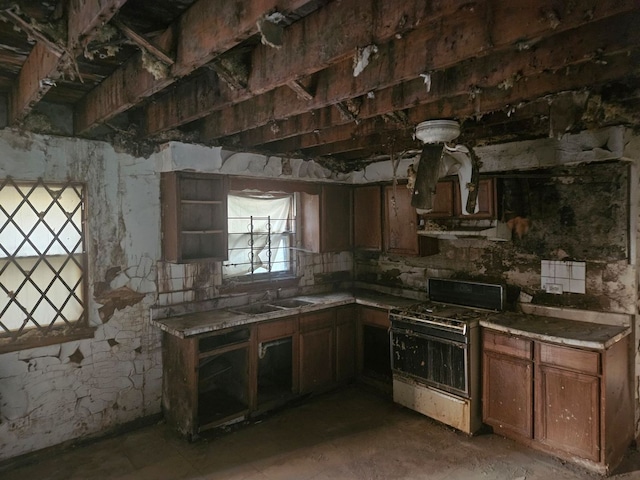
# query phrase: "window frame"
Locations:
[[256, 278], [34, 336]]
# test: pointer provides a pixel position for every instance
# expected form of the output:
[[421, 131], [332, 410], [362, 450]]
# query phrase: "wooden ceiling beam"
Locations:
[[464, 33], [324, 37], [592, 43], [525, 99], [43, 65], [142, 42], [335, 84], [204, 31]]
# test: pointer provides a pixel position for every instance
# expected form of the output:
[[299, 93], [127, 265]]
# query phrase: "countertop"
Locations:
[[197, 323], [557, 330]]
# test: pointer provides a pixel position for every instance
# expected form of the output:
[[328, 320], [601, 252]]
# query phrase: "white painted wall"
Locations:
[[45, 398]]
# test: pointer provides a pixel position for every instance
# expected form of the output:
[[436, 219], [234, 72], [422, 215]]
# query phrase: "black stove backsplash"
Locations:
[[470, 294]]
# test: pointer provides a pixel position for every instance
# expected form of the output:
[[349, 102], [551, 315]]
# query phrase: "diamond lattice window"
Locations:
[[42, 257]]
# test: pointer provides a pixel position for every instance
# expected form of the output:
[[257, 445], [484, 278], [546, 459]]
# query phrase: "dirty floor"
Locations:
[[353, 433]]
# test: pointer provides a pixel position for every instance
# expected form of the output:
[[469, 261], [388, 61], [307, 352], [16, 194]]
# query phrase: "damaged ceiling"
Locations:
[[343, 82]]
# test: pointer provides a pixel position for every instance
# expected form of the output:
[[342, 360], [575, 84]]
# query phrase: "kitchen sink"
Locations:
[[255, 308], [290, 303]]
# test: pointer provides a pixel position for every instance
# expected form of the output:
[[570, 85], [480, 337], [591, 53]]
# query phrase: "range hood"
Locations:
[[462, 228]]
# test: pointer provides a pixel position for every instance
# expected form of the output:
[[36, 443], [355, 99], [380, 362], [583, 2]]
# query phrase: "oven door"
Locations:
[[428, 358]]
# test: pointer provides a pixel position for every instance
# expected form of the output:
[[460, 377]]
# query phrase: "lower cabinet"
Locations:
[[218, 377], [572, 402], [207, 379], [316, 351], [327, 348], [507, 380], [374, 357], [345, 343], [277, 373]]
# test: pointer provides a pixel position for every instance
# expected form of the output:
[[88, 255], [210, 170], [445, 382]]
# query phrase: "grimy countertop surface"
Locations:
[[557, 330], [197, 323]]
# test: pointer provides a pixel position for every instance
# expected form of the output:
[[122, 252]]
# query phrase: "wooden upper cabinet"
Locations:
[[367, 217], [400, 221], [194, 216], [447, 202], [487, 199], [326, 219], [443, 200]]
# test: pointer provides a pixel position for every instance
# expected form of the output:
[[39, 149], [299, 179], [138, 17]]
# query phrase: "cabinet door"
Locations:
[[486, 199], [316, 351], [443, 201], [507, 394], [568, 411], [400, 219], [367, 218], [335, 227], [345, 343]]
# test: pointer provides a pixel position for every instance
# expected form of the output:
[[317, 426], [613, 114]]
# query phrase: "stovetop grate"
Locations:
[[466, 306]]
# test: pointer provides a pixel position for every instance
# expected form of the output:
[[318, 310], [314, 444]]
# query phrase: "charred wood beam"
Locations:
[[142, 42], [530, 99], [33, 32], [433, 45], [44, 64], [518, 68], [233, 69], [302, 92], [199, 35], [452, 75], [328, 35]]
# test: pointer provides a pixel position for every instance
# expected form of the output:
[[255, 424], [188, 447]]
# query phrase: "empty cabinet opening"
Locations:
[[376, 359], [223, 388], [275, 370]]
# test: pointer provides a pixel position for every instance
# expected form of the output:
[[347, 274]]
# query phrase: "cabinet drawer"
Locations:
[[506, 344], [375, 316], [316, 321], [572, 358], [277, 329]]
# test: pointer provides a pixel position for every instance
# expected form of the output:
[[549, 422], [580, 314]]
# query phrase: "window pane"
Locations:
[[259, 234], [41, 259]]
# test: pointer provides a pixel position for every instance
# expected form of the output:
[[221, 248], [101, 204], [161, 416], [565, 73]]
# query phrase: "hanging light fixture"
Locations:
[[434, 134]]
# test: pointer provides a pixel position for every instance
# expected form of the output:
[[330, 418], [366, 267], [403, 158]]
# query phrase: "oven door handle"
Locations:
[[412, 333]]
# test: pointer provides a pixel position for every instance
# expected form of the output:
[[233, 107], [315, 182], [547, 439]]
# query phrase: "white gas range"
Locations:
[[435, 351]]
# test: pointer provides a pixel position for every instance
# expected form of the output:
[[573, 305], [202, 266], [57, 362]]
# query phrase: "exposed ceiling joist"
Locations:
[[461, 79], [43, 65], [330, 35], [342, 81], [336, 141], [200, 34], [142, 42], [334, 84]]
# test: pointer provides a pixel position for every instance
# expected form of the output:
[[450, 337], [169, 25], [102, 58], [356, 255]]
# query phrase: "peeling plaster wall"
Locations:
[[77, 389]]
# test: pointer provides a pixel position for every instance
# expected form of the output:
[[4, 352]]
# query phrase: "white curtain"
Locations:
[[240, 209]]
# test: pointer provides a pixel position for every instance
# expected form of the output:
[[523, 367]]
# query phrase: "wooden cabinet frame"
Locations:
[[194, 216], [579, 401]]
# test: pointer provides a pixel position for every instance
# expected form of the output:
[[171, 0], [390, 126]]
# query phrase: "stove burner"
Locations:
[[439, 316]]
